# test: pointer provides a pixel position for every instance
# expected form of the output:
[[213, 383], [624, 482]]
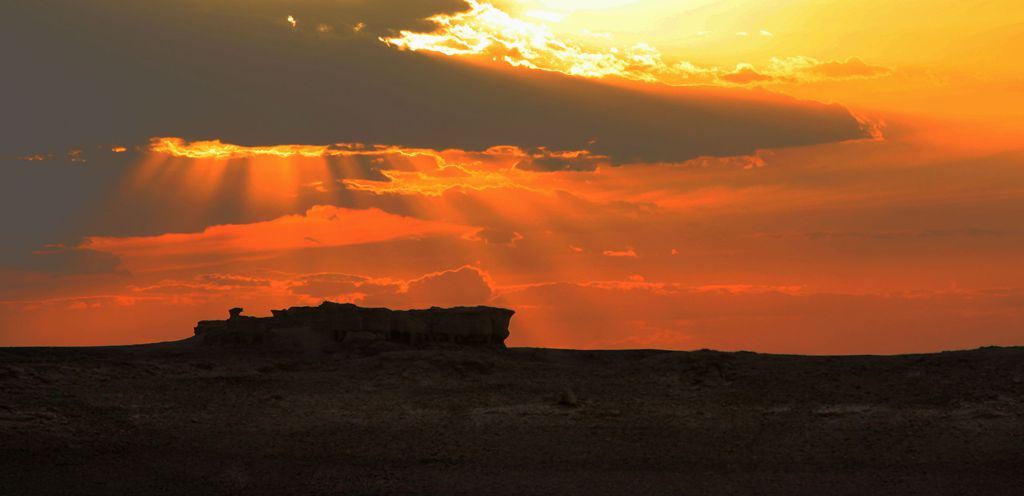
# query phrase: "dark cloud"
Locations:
[[546, 161], [61, 261], [496, 236], [325, 285], [50, 202], [336, 285], [463, 286], [114, 71], [83, 78], [232, 281]]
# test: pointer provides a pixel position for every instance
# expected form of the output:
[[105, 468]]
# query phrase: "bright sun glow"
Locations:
[[485, 31], [177, 147]]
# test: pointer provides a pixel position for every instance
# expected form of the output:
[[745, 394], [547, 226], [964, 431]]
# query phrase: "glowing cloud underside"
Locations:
[[486, 31], [399, 170], [215, 149]]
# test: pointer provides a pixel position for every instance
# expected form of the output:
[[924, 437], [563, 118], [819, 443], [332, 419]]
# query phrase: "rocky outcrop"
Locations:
[[347, 323]]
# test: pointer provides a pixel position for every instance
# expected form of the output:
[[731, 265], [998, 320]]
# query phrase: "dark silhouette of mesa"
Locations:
[[345, 323], [339, 399]]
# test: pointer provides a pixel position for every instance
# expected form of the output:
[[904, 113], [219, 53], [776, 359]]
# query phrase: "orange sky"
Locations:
[[906, 238]]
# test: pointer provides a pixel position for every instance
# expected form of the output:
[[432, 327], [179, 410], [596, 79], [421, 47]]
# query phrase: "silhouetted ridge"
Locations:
[[348, 323]]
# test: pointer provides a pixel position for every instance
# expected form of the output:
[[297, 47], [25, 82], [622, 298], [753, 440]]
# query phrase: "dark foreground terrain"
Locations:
[[170, 419]]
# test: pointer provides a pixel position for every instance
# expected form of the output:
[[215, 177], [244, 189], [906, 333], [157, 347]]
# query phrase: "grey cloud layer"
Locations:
[[113, 71], [95, 74]]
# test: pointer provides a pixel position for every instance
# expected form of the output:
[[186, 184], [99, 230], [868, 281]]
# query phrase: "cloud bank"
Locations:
[[116, 73]]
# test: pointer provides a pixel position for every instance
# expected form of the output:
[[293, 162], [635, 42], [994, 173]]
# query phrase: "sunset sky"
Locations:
[[810, 176]]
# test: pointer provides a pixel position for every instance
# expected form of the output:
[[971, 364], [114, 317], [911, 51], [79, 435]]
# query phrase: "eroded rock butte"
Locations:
[[348, 323]]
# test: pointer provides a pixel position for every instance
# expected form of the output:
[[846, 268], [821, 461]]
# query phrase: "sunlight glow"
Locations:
[[215, 149], [487, 32], [545, 15]]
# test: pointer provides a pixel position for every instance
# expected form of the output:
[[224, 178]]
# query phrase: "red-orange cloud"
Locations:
[[320, 226]]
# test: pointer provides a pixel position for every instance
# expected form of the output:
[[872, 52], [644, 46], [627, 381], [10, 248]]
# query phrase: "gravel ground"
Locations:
[[186, 419]]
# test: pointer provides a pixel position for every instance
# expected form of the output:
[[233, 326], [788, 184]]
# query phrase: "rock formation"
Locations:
[[347, 323]]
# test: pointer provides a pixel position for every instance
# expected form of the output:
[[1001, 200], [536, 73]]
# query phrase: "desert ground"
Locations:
[[182, 418]]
